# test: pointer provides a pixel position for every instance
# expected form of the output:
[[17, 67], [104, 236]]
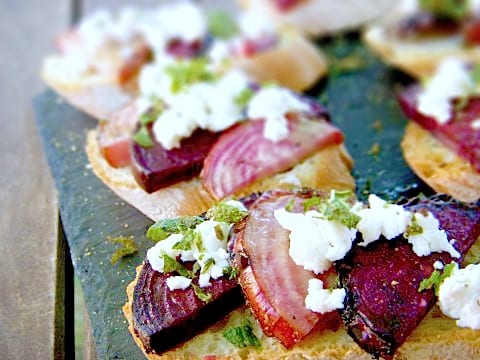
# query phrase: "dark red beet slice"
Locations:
[[157, 167], [184, 49], [383, 305], [286, 5], [163, 318], [457, 134]]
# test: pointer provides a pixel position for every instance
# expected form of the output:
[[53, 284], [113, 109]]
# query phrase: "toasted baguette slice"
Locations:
[[417, 57], [327, 169], [437, 337], [442, 169], [294, 63], [323, 17]]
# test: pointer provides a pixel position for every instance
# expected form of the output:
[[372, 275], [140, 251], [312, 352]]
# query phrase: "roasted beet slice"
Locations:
[[383, 305], [274, 286], [163, 318], [157, 167], [459, 134]]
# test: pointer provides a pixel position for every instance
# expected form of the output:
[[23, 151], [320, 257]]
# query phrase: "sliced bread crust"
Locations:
[[442, 169]]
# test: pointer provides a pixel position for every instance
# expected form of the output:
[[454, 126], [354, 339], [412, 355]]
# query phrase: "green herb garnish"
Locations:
[[244, 97], [201, 294], [336, 208], [454, 10], [208, 264], [185, 73], [223, 212], [127, 248], [436, 278], [413, 228], [221, 25], [152, 114], [232, 272], [171, 265], [241, 336], [164, 228], [143, 138]]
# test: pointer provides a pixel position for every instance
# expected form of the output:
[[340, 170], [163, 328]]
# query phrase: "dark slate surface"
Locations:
[[360, 95]]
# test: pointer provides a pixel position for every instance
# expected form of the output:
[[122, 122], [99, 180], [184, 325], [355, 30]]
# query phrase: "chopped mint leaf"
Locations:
[[475, 73], [454, 10], [290, 205], [244, 97], [201, 294], [336, 208], [221, 25], [241, 336], [232, 272], [219, 232], [185, 73], [413, 229], [223, 212], [436, 278], [143, 138], [127, 248], [152, 114], [208, 264], [164, 228], [171, 265], [313, 202]]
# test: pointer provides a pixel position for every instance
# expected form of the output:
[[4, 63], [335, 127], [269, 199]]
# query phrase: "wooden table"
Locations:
[[36, 303]]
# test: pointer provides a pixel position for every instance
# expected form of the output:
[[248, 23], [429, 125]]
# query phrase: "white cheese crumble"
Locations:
[[315, 243], [381, 218], [451, 79], [475, 124], [255, 24], [209, 106], [322, 300], [431, 239], [438, 265], [154, 254], [272, 104], [185, 21], [178, 282], [459, 296], [210, 253]]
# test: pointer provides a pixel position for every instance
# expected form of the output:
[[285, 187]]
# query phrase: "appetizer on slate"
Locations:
[[418, 34], [442, 141], [312, 267], [99, 60], [321, 17], [195, 136]]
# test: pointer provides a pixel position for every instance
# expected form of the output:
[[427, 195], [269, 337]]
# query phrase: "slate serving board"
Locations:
[[360, 95]]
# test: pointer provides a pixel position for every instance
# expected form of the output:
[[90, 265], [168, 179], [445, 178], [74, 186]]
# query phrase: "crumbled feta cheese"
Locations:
[[209, 251], [255, 24], [322, 300], [209, 106], [185, 21], [272, 104], [155, 253], [459, 296], [438, 265], [475, 124], [432, 239], [219, 52], [178, 282], [381, 218], [452, 79], [315, 243]]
